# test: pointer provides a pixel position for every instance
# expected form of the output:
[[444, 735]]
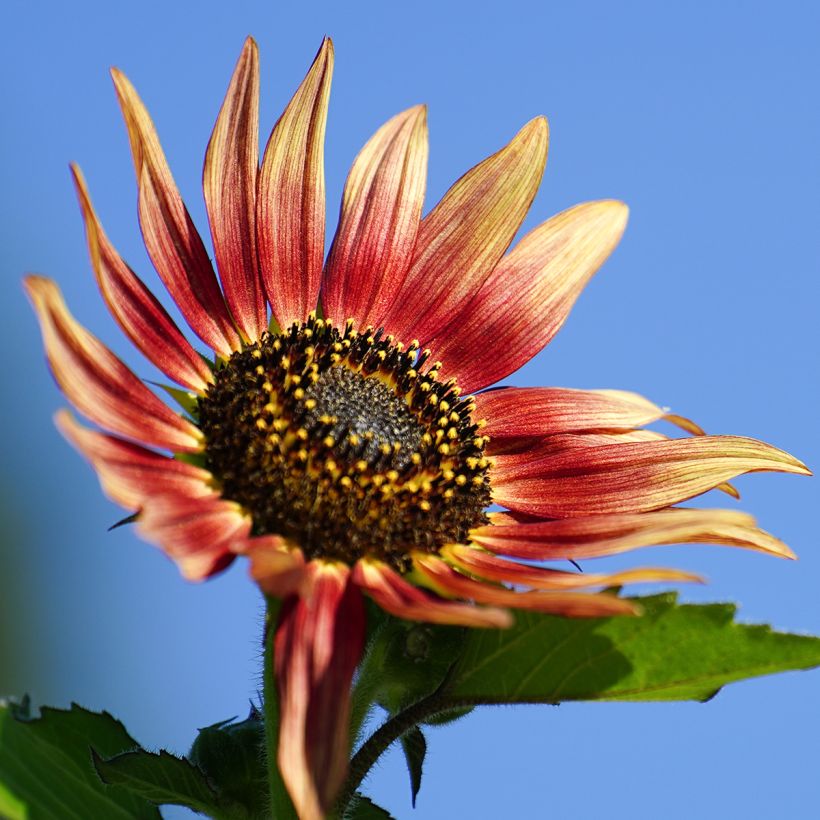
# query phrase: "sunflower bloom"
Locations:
[[341, 437]]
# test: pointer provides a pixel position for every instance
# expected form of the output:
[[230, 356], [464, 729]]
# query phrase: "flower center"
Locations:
[[345, 443]]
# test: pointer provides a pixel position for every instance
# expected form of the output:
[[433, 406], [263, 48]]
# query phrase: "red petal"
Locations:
[[379, 220], [394, 595], [318, 644], [130, 474], [229, 181], [598, 535], [278, 569], [462, 239], [172, 241], [135, 308], [632, 477], [98, 383], [291, 198], [528, 296]]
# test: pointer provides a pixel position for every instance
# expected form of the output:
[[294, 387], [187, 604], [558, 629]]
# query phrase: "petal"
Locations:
[[632, 477], [131, 475], [144, 320], [229, 182], [278, 569], [200, 534], [526, 299], [462, 239], [514, 412], [599, 535], [569, 604], [318, 644], [394, 595], [172, 241], [379, 220], [291, 197], [98, 383], [489, 567]]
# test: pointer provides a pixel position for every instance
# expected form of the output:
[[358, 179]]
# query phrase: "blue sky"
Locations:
[[703, 117]]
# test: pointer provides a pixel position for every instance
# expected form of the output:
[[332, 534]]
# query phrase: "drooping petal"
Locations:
[[480, 563], [280, 570], [98, 383], [632, 477], [527, 297], [571, 604], [131, 475], [595, 536], [463, 238], [291, 197], [393, 594], [172, 241], [318, 644], [144, 320], [200, 534], [514, 412], [229, 182], [378, 223]]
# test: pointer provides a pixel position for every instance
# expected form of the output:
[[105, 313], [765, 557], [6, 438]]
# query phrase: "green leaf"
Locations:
[[45, 762], [363, 808], [10, 807], [164, 778], [415, 748], [672, 652]]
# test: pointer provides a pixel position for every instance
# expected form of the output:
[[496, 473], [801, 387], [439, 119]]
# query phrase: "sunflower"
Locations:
[[345, 441]]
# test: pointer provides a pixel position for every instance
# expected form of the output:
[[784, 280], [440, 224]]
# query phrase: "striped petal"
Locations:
[[595, 536], [394, 595], [571, 604], [98, 383], [526, 299], [131, 475], [633, 477], [463, 238], [278, 569], [171, 238], [291, 198], [318, 644], [489, 567], [229, 182], [379, 220], [199, 534], [135, 308]]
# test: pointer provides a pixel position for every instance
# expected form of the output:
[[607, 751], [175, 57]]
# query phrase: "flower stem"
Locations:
[[281, 805]]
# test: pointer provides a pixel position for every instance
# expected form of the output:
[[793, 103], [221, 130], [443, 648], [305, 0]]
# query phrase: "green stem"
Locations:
[[281, 805]]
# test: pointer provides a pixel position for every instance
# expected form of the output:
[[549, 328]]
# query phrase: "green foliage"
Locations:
[[363, 808], [415, 749]]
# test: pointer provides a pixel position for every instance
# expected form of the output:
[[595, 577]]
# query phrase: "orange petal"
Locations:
[[229, 182], [171, 238], [278, 569], [514, 412], [394, 595], [599, 535], [135, 308], [631, 477], [379, 220], [199, 534], [571, 604], [318, 644], [98, 383], [291, 197], [491, 568], [462, 239], [129, 474], [528, 296]]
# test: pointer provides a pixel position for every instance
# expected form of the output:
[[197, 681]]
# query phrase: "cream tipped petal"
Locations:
[[529, 294], [463, 238], [229, 183], [99, 384], [631, 477], [172, 241], [378, 222], [291, 197], [135, 308]]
